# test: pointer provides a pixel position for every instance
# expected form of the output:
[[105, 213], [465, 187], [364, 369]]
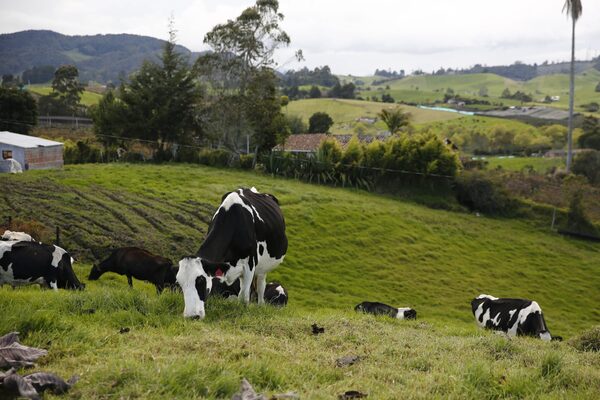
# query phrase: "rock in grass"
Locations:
[[352, 394], [316, 329], [346, 361], [247, 392]]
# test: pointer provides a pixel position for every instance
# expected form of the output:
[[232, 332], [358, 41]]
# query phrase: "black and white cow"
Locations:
[[26, 263], [376, 308], [134, 262], [246, 239], [515, 317]]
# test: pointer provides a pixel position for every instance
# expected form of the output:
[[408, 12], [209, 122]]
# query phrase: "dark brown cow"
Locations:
[[137, 263]]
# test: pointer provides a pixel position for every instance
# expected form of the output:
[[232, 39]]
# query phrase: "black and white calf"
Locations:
[[246, 239], [26, 263], [376, 308], [515, 317]]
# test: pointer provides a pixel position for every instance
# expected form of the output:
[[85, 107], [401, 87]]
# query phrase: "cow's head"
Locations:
[[195, 283], [95, 273], [66, 276]]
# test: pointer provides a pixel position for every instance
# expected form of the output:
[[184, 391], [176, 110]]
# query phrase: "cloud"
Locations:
[[353, 36]]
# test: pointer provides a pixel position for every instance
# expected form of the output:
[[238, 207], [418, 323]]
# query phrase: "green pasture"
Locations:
[[346, 246], [428, 88], [87, 98], [345, 113]]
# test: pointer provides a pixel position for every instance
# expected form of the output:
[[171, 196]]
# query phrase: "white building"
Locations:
[[30, 151]]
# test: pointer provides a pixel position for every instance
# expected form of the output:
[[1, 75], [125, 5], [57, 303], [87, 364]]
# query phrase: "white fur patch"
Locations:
[[17, 236], [189, 270], [487, 296], [232, 199], [400, 314]]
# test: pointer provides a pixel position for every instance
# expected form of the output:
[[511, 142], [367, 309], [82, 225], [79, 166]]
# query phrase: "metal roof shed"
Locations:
[[30, 151]]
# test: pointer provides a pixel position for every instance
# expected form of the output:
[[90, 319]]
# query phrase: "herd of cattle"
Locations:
[[246, 240]]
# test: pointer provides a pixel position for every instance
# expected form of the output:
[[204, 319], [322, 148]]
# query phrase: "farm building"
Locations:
[[308, 143], [30, 151]]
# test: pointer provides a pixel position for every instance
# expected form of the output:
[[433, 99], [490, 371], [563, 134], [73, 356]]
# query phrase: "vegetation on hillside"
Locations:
[[432, 260]]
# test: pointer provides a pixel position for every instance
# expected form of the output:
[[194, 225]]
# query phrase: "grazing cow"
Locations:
[[515, 317], [17, 236], [383, 309], [137, 263], [246, 239], [26, 263]]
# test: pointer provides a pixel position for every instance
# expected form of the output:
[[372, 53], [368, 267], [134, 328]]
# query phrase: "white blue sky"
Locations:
[[352, 36]]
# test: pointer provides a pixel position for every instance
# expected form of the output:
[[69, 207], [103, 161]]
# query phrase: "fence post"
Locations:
[[58, 236], [9, 222], [553, 218]]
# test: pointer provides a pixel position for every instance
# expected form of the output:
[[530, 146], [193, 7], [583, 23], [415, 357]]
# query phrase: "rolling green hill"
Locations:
[[346, 246], [87, 98], [345, 112], [428, 88], [99, 58]]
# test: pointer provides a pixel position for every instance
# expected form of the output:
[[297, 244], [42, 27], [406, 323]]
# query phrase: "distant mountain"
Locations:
[[101, 58]]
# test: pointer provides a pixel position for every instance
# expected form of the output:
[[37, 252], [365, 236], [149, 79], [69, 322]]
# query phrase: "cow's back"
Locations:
[[27, 260]]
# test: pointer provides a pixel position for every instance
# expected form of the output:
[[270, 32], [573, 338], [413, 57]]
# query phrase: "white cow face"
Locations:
[[195, 284]]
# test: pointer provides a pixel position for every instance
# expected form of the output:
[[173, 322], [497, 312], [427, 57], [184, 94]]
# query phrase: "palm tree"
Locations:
[[394, 118], [573, 9]]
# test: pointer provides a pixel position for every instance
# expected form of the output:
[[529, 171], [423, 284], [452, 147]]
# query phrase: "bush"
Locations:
[[81, 152], [319, 122], [163, 155], [215, 157], [479, 192], [35, 228], [588, 165], [588, 340], [246, 161], [187, 154], [577, 220]]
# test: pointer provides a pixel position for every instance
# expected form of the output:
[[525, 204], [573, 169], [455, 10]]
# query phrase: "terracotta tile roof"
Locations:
[[304, 142]]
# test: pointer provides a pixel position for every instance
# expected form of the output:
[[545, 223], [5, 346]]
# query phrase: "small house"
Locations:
[[30, 151]]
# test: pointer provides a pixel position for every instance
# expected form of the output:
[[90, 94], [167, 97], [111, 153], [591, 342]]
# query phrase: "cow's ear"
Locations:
[[274, 198]]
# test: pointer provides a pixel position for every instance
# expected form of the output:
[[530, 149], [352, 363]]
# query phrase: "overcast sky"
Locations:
[[353, 37]]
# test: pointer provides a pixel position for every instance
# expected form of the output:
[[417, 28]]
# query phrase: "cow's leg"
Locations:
[[245, 284], [129, 281], [261, 284]]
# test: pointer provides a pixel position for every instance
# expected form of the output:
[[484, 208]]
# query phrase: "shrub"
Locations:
[[35, 228], [319, 122], [588, 165], [329, 152], [246, 161], [82, 152], [577, 220], [214, 157], [187, 154], [479, 192], [588, 340]]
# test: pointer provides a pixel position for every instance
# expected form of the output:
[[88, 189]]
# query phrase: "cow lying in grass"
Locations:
[[514, 317], [275, 293], [376, 308], [137, 263], [26, 263]]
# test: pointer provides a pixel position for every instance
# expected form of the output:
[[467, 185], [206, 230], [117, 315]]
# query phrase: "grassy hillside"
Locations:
[[345, 112], [428, 88], [87, 98], [345, 247]]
